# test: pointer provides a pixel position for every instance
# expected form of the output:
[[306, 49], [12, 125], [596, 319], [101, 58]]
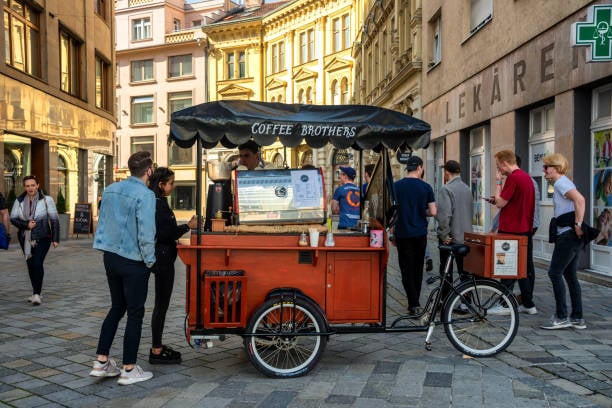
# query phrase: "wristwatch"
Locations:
[[578, 224]]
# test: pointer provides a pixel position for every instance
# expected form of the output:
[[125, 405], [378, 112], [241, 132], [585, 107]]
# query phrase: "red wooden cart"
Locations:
[[284, 299]]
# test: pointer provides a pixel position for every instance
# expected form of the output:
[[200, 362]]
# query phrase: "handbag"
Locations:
[[4, 238]]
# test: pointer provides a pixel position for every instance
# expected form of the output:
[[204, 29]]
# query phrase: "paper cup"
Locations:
[[314, 237]]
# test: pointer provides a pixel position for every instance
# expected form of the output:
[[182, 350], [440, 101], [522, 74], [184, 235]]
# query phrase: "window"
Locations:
[[337, 34], [142, 144], [274, 62], [236, 70], [70, 64], [344, 92], [141, 29], [179, 66], [22, 37], [142, 109], [436, 51], [281, 56], [306, 46], [541, 143], [341, 33], [178, 101], [480, 13], [241, 64], [179, 156], [103, 80], [142, 70], [183, 197], [100, 9], [335, 93], [196, 23], [346, 30], [176, 24]]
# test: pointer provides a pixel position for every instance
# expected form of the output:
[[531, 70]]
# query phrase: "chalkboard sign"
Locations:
[[82, 219]]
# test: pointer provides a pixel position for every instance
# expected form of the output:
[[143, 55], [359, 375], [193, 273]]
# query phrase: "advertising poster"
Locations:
[[506, 257]]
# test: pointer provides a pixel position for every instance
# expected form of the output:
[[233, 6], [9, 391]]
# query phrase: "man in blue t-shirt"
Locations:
[[416, 202], [346, 200]]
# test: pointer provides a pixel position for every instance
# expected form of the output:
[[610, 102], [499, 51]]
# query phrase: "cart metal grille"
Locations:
[[224, 299]]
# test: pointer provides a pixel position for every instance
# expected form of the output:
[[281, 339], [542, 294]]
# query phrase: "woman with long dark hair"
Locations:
[[168, 232], [35, 216]]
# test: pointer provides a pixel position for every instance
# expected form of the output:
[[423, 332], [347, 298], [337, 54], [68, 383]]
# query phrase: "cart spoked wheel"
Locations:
[[469, 326], [285, 342]]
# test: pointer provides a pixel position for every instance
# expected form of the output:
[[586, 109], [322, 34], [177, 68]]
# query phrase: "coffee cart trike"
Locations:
[[254, 277]]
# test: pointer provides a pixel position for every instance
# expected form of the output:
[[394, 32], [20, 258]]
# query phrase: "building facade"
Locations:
[[57, 97], [504, 75], [161, 68]]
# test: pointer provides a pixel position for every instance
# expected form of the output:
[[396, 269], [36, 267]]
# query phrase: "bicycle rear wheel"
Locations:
[[470, 328]]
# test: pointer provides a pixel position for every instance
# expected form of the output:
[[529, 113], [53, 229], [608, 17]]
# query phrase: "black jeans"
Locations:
[[411, 257], [128, 282], [164, 283], [36, 269], [526, 285], [563, 265]]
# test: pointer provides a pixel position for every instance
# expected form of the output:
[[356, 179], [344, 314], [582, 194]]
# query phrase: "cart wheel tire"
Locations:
[[274, 349], [469, 326]]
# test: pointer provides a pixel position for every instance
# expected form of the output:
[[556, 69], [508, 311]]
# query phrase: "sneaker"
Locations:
[[555, 323], [579, 324], [36, 300], [136, 375], [462, 309], [527, 310], [499, 310], [429, 265], [167, 356], [108, 369]]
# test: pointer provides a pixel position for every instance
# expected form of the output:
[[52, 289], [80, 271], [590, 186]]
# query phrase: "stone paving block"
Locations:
[[338, 399], [31, 401], [13, 394], [278, 399], [47, 389], [348, 388], [386, 367], [316, 389], [436, 379]]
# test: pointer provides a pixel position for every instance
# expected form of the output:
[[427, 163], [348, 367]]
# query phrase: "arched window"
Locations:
[[335, 93], [273, 99], [278, 161], [344, 91], [280, 98], [301, 96], [62, 175], [306, 158], [309, 95]]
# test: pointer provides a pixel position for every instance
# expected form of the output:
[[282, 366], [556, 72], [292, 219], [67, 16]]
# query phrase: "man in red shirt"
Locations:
[[516, 201]]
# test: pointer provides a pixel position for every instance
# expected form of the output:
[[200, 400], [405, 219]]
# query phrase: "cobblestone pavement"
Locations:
[[46, 353]]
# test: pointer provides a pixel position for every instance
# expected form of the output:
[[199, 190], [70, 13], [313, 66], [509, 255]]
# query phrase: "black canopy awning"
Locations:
[[234, 122]]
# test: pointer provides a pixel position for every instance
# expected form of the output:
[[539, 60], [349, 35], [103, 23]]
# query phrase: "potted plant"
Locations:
[[64, 218]]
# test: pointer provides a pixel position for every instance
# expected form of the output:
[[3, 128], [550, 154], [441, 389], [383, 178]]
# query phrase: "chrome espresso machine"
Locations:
[[219, 197]]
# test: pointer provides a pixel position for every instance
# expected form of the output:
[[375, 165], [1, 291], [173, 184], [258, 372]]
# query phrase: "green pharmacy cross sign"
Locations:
[[596, 32]]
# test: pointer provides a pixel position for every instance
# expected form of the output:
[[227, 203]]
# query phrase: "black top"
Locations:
[[165, 223]]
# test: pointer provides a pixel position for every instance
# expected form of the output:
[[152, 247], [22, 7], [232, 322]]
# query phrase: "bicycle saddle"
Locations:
[[456, 249]]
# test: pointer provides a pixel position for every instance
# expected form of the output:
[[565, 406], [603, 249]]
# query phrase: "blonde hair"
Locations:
[[507, 156], [557, 160]]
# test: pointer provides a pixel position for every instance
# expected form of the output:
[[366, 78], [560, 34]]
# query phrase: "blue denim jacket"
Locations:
[[126, 223]]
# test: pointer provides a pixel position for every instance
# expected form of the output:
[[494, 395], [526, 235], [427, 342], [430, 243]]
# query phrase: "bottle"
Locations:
[[303, 241]]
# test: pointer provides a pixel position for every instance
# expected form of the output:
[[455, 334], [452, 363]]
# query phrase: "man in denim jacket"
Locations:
[[126, 234]]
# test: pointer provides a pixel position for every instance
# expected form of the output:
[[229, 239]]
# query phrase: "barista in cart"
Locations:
[[250, 157], [347, 199]]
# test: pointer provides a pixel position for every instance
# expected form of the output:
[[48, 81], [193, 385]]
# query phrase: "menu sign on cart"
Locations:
[[306, 188], [506, 257]]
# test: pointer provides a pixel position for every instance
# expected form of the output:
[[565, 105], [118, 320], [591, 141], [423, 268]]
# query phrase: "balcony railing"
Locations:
[[133, 3], [180, 37]]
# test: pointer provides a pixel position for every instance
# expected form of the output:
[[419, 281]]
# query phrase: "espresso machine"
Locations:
[[219, 197]]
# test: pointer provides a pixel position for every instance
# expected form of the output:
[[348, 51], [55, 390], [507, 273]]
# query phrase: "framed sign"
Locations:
[[82, 219]]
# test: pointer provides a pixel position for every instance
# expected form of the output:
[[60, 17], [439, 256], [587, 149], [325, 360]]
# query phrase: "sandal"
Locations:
[[167, 356]]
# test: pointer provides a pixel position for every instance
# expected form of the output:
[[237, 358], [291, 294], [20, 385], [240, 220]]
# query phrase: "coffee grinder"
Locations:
[[219, 198]]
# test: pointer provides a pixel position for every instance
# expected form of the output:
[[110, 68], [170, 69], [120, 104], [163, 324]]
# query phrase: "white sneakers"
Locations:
[[136, 375], [528, 310], [110, 369], [35, 299], [499, 310]]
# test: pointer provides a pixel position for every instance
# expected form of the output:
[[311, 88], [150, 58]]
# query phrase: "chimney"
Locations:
[[253, 3]]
